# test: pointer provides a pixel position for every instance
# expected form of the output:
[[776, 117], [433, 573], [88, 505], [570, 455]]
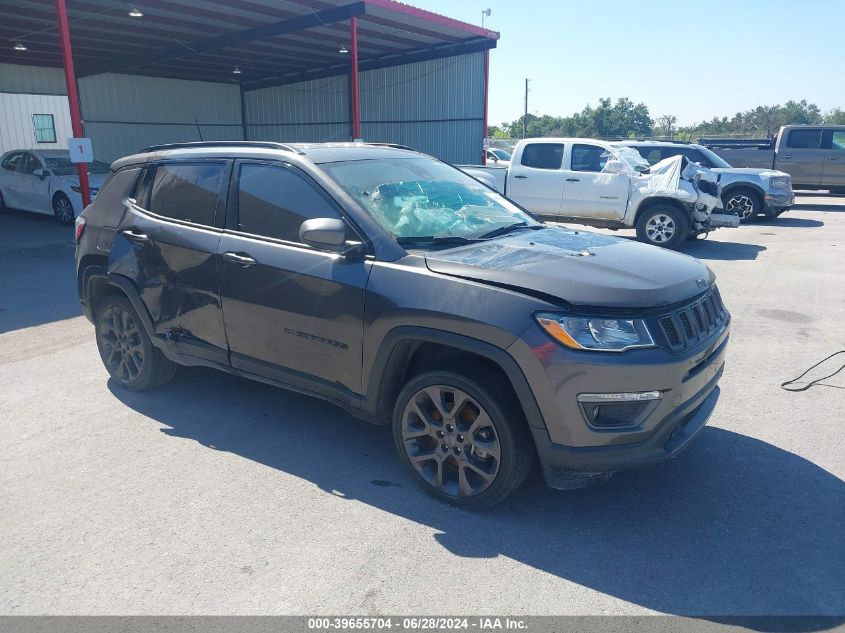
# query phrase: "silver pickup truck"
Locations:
[[814, 155], [748, 192]]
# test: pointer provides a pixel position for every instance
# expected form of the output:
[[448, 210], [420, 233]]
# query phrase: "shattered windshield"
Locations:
[[424, 198]]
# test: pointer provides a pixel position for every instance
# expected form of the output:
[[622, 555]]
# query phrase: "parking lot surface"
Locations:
[[217, 495]]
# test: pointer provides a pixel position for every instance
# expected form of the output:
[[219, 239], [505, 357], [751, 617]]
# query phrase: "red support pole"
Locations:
[[356, 110], [486, 101], [72, 96]]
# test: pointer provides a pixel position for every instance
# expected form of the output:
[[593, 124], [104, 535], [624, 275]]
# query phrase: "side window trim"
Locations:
[[232, 211]]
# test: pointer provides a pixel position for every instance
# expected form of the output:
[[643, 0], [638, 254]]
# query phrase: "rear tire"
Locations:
[[126, 350], [745, 202], [463, 437], [662, 225], [63, 209]]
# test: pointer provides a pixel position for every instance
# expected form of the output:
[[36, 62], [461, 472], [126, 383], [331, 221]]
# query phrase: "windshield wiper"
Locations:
[[502, 230], [435, 239]]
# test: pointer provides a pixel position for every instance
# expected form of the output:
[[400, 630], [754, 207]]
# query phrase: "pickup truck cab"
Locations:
[[813, 155], [591, 182]]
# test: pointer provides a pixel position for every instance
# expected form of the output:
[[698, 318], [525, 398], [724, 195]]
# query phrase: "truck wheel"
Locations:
[[125, 348], [744, 202], [662, 225], [462, 436]]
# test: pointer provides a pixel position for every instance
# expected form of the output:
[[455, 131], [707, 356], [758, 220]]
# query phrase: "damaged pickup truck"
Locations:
[[591, 182]]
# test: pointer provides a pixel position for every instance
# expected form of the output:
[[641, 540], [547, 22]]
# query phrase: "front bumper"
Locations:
[[568, 445], [779, 200]]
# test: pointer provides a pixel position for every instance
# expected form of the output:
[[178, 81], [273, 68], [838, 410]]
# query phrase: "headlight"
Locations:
[[609, 335], [779, 182]]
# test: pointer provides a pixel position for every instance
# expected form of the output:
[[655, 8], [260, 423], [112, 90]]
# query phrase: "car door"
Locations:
[[30, 196], [11, 178], [833, 173], [536, 181], [802, 157], [35, 189], [167, 245], [589, 192], [292, 313]]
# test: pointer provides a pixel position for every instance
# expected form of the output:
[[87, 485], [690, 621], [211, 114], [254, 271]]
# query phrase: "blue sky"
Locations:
[[695, 60]]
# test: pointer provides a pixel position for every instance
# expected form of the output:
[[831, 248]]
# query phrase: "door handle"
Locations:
[[786, 156], [241, 259], [136, 235], [520, 176], [573, 180]]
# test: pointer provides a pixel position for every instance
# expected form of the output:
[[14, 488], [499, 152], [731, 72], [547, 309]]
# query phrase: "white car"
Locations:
[[497, 156], [45, 181]]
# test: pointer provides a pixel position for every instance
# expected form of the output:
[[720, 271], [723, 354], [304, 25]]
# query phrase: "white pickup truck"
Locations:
[[586, 181]]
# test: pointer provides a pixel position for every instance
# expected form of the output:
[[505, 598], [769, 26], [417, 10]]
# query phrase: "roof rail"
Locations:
[[259, 144], [393, 145]]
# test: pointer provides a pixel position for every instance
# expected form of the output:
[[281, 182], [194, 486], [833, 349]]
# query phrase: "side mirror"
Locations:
[[324, 233], [40, 173]]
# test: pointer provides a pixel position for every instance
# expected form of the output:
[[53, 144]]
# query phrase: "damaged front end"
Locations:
[[696, 187]]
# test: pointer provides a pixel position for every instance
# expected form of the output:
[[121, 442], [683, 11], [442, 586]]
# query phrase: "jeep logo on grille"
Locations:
[[701, 283]]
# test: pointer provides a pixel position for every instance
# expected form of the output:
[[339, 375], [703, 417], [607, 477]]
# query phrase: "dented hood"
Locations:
[[578, 267]]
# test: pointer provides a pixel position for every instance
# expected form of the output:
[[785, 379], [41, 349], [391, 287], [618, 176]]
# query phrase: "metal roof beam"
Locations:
[[261, 32], [449, 50]]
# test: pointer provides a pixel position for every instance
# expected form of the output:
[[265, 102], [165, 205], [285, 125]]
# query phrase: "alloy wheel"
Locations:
[[63, 209], [121, 344], [660, 228], [742, 205], [451, 441]]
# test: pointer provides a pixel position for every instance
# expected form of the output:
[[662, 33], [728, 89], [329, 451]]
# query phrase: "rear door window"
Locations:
[[542, 155], [804, 139], [274, 200], [187, 191]]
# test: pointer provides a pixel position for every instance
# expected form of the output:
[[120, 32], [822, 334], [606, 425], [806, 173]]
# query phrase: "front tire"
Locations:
[[63, 209], [746, 203], [463, 437], [662, 225], [125, 348]]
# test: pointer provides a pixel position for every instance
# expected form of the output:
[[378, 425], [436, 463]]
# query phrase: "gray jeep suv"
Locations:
[[410, 294]]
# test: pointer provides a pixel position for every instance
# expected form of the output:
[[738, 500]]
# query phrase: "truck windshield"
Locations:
[[424, 198]]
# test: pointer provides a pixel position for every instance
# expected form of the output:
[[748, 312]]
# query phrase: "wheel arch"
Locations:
[[407, 350], [650, 203], [97, 284], [757, 189]]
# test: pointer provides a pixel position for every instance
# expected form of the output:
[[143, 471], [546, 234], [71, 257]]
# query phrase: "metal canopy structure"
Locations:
[[272, 42]]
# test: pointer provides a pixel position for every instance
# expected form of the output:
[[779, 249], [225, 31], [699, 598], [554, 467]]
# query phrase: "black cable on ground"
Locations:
[[817, 380]]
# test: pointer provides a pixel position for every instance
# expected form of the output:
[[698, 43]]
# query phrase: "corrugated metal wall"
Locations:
[[17, 129], [32, 79], [124, 113], [316, 110], [435, 106]]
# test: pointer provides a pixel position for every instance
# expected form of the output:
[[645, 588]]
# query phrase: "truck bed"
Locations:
[[762, 158]]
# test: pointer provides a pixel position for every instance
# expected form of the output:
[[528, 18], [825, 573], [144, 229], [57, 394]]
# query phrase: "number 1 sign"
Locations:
[[81, 150]]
